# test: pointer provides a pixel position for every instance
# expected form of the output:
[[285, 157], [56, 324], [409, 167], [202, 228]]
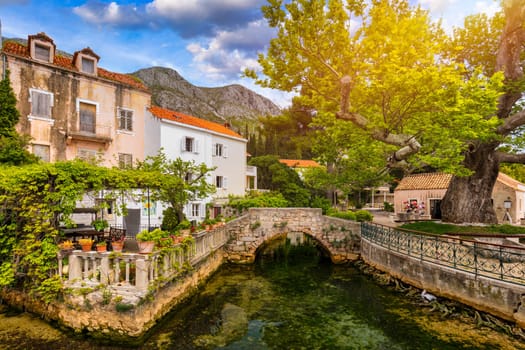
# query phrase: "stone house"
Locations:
[[421, 195], [71, 107]]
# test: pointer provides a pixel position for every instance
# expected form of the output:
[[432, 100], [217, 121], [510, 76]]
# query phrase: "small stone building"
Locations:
[[420, 195]]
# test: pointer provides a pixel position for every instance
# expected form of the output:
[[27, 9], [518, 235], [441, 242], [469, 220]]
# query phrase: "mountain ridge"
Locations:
[[220, 104]]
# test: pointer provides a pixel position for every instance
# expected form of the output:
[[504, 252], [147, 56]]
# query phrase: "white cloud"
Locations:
[[488, 8], [437, 6]]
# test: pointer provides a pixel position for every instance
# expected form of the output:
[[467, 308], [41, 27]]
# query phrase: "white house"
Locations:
[[191, 138]]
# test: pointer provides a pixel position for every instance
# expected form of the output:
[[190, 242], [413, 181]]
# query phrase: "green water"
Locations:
[[292, 299]]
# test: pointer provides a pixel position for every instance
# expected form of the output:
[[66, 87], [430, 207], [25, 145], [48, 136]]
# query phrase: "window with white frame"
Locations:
[[125, 119], [88, 65], [189, 144], [41, 103], [221, 181], [42, 52], [220, 150], [87, 114], [42, 152], [217, 149], [125, 160], [195, 209]]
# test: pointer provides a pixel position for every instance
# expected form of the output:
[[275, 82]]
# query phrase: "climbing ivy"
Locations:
[[34, 200]]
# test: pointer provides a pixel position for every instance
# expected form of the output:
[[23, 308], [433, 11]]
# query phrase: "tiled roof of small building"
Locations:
[[300, 163], [509, 181], [182, 118], [433, 181], [426, 181], [15, 48]]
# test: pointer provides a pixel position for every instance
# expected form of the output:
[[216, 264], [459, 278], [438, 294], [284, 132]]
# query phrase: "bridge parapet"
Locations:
[[339, 238]]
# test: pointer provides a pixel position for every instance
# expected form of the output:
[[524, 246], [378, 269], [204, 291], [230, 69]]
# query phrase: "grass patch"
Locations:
[[438, 228]]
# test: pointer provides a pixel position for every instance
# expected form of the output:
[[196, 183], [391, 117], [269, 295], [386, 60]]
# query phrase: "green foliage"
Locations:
[[388, 207], [347, 215], [100, 224], [154, 235], [440, 228], [275, 176], [321, 202], [12, 145], [363, 215], [258, 200], [182, 181], [407, 79], [35, 199]]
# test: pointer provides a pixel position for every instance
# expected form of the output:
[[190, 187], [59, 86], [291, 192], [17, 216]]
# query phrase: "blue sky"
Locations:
[[209, 42]]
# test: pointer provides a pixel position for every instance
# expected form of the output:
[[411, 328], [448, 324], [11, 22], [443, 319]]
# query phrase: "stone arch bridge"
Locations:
[[339, 238]]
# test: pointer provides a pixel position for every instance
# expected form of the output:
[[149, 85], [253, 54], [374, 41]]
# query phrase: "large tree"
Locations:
[[388, 69], [12, 146]]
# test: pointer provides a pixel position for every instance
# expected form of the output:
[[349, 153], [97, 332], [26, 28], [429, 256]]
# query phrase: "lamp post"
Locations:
[[507, 204]]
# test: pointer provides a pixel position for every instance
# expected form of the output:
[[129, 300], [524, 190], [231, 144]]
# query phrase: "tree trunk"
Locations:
[[468, 199]]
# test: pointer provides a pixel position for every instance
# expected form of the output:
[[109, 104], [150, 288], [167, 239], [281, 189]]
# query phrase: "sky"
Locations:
[[208, 42]]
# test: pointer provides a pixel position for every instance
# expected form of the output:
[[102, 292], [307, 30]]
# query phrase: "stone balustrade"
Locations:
[[131, 274]]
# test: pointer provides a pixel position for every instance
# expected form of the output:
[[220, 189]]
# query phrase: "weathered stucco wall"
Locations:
[[495, 297]]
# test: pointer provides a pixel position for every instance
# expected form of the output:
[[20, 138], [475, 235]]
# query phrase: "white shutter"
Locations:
[[202, 209], [214, 149], [196, 146], [183, 145], [225, 151], [224, 182]]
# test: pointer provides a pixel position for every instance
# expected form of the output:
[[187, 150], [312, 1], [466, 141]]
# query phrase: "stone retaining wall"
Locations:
[[498, 298]]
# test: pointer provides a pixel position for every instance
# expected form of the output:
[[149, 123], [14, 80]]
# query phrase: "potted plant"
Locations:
[[102, 246], [99, 224], [66, 245], [86, 244], [146, 240], [117, 245]]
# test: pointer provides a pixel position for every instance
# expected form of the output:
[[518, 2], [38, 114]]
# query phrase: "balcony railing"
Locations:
[[251, 170], [92, 132], [131, 274], [504, 262]]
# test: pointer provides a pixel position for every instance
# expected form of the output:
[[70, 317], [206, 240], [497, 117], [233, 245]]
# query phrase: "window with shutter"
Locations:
[[43, 52], [125, 119], [88, 114], [88, 65], [41, 103], [125, 160], [187, 144]]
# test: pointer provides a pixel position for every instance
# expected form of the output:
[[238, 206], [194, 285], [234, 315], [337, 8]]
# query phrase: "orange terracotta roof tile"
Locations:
[[300, 163], [426, 181], [15, 48], [182, 118]]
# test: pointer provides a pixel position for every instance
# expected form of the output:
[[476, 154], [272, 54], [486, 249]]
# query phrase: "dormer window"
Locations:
[[86, 61], [41, 47], [88, 65], [42, 52]]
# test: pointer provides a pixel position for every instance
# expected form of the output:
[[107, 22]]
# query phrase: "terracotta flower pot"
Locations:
[[145, 247], [102, 248], [117, 246], [86, 247]]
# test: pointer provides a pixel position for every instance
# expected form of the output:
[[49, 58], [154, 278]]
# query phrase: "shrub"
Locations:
[[363, 215], [346, 215]]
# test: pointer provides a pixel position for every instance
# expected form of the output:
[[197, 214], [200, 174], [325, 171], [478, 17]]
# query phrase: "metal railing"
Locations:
[[496, 261]]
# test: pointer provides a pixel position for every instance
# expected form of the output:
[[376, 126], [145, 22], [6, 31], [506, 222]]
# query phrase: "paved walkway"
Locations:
[[384, 218]]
